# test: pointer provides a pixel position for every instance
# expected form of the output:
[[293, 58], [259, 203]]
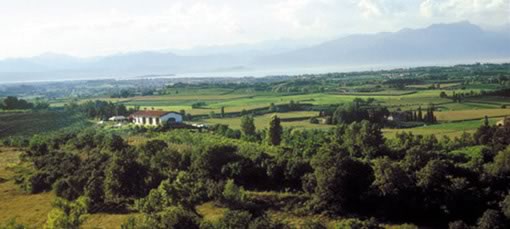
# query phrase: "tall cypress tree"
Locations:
[[275, 131], [420, 115]]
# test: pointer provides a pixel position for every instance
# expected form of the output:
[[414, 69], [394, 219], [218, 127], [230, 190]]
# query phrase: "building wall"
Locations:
[[154, 121], [174, 116]]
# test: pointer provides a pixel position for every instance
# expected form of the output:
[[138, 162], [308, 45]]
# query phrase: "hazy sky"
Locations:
[[99, 27]]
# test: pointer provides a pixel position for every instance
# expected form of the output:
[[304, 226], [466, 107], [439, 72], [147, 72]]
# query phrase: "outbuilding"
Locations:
[[155, 118], [117, 118]]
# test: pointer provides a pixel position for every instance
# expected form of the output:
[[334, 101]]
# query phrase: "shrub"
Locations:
[[358, 224], [458, 225], [491, 219], [66, 214], [233, 195], [235, 219]]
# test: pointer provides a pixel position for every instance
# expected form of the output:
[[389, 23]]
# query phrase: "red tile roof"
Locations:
[[151, 113]]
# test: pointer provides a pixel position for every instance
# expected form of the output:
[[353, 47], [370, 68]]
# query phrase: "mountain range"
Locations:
[[457, 42]]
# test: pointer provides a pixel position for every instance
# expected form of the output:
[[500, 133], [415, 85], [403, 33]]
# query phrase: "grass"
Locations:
[[28, 209], [451, 129], [470, 114], [262, 121], [470, 151], [32, 209], [106, 220], [210, 212]]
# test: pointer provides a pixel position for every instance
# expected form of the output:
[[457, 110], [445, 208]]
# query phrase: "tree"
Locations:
[[248, 125], [170, 217], [341, 180], [114, 143], [390, 178], [458, 225], [236, 219], [419, 115], [501, 164], [233, 195], [66, 214], [491, 219], [125, 177], [505, 206], [275, 131]]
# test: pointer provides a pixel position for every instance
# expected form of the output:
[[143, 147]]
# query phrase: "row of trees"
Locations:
[[14, 103], [100, 109]]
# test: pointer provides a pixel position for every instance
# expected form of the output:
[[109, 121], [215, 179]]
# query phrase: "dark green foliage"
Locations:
[[210, 164], [313, 224], [341, 180], [235, 219], [183, 190], [390, 178], [360, 110], [13, 103], [171, 217], [65, 188], [458, 225], [224, 130], [274, 134], [505, 206], [358, 224], [501, 164], [124, 177], [491, 219], [99, 109]]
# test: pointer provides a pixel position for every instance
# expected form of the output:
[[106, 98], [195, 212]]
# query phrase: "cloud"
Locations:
[[369, 8], [99, 27], [487, 12]]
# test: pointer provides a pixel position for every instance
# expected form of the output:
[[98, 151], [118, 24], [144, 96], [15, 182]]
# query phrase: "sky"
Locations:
[[101, 27]]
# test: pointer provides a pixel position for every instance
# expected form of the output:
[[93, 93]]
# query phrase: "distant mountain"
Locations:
[[440, 42], [436, 44]]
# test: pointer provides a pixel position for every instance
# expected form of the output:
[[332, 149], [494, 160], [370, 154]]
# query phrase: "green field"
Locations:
[[451, 129], [262, 121], [465, 114]]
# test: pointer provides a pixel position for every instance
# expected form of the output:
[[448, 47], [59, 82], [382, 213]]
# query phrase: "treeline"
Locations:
[[100, 109], [14, 103], [351, 170]]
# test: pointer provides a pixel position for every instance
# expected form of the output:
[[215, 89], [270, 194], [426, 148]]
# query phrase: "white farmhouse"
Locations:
[[155, 118]]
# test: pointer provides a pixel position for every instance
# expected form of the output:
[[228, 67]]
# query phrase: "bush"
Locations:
[[235, 219], [358, 224], [505, 206], [491, 219], [313, 224], [233, 195], [314, 120], [39, 182], [458, 225], [12, 224], [66, 214], [64, 188]]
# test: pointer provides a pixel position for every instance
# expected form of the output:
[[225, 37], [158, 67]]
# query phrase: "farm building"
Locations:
[[155, 118], [117, 118]]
